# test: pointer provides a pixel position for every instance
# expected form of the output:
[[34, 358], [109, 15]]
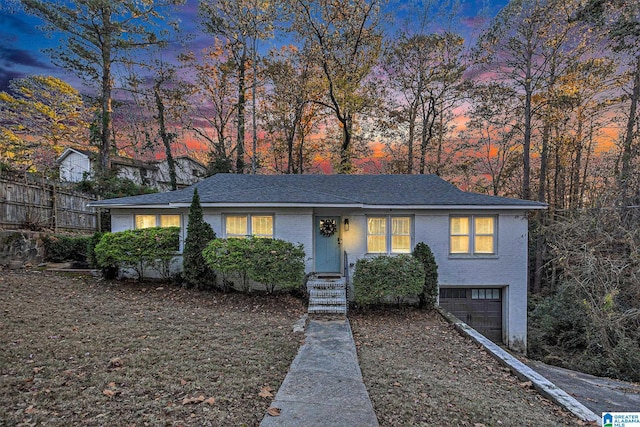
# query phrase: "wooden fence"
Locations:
[[33, 205]]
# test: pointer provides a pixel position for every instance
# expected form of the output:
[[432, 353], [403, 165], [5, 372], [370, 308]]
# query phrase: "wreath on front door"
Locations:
[[328, 227]]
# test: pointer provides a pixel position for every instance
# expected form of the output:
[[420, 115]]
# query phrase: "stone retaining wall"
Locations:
[[20, 247]]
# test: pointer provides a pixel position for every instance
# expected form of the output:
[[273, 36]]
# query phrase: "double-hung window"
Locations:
[[241, 226], [147, 221], [473, 235], [388, 234]]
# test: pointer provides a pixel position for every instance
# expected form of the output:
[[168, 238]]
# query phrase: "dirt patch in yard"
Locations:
[[79, 350], [420, 372]]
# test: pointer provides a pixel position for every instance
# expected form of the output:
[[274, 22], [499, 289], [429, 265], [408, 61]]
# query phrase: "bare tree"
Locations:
[[215, 104], [291, 114], [493, 134], [512, 47], [96, 34], [241, 23], [345, 38], [620, 21]]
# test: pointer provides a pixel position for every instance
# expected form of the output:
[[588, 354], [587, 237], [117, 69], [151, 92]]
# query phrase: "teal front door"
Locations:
[[327, 246]]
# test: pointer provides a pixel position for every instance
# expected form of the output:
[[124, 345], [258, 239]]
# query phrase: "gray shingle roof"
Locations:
[[358, 190]]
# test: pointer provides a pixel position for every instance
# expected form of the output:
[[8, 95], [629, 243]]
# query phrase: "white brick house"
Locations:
[[479, 241]]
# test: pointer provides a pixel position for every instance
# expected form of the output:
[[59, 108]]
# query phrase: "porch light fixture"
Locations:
[[346, 224]]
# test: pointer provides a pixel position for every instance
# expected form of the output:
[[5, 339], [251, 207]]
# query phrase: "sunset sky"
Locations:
[[22, 41]]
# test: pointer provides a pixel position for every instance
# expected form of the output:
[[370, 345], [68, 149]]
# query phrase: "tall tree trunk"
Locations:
[[241, 107], [346, 166], [291, 138], [558, 186], [586, 165], [539, 254], [440, 143], [544, 158], [254, 159], [105, 132], [221, 150], [301, 153], [428, 121], [166, 137], [574, 193], [628, 150], [540, 240], [528, 112], [423, 141], [546, 132], [526, 144], [412, 132]]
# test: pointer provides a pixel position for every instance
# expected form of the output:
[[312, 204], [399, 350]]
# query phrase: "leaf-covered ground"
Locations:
[[81, 351], [76, 350], [421, 372]]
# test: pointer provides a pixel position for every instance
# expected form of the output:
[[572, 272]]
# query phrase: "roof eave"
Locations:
[[126, 206], [316, 205], [461, 207]]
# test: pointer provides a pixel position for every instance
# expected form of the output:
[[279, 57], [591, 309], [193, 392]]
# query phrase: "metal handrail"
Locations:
[[346, 281]]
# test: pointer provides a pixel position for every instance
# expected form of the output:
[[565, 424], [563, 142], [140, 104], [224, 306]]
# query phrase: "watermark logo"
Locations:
[[621, 419]]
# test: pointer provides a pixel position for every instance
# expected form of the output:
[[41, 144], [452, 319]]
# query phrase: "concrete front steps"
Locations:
[[327, 294]]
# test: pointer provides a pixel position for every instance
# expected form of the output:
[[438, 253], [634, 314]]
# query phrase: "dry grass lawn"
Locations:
[[81, 351], [77, 350], [420, 372]]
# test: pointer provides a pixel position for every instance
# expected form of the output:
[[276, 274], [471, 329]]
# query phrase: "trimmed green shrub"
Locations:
[[66, 248], [91, 246], [276, 263], [139, 250], [383, 278], [428, 296], [229, 256], [272, 262], [196, 273]]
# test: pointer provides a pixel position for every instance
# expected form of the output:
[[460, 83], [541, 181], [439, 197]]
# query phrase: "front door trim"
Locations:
[[327, 247]]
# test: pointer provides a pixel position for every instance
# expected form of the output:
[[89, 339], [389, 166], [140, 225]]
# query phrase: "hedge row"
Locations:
[[272, 262], [139, 250]]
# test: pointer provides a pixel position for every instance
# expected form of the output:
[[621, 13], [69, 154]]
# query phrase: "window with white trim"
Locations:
[[241, 226], [473, 234], [147, 221], [388, 235]]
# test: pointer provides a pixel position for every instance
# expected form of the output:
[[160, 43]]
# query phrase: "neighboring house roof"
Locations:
[[194, 161], [372, 191], [125, 161], [70, 150], [128, 161]]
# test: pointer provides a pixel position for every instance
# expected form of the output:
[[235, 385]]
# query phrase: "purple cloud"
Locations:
[[6, 76], [10, 57], [14, 23]]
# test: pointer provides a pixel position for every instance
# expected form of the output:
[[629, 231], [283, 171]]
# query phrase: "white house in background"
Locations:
[[479, 241], [188, 172], [75, 164]]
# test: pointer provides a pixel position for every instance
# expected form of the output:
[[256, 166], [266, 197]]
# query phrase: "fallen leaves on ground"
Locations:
[[78, 350], [274, 412], [420, 372], [192, 400], [266, 392]]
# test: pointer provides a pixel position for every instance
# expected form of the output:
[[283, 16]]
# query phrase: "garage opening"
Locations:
[[480, 308]]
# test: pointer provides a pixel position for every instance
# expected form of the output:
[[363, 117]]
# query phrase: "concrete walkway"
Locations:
[[324, 385], [524, 372], [596, 393]]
